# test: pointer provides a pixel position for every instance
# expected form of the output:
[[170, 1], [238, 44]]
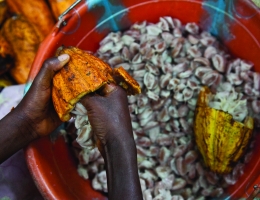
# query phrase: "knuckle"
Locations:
[[49, 63]]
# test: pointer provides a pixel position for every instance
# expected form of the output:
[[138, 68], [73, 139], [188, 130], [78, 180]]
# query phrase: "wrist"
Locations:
[[119, 132], [121, 149], [121, 141], [122, 169], [16, 132], [121, 155], [24, 124]]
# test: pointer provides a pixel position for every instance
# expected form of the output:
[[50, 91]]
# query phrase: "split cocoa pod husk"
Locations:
[[221, 140], [84, 74]]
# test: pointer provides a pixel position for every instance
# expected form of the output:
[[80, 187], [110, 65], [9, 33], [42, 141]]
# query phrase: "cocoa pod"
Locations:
[[36, 12], [221, 140], [83, 74], [24, 41]]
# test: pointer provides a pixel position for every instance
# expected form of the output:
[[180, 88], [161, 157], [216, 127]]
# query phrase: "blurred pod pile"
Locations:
[[23, 26]]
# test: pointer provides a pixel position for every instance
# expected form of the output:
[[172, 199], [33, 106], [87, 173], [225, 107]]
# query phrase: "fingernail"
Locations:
[[107, 89], [63, 57]]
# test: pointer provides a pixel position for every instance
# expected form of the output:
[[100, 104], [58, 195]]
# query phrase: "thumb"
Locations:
[[107, 89], [44, 78], [95, 99]]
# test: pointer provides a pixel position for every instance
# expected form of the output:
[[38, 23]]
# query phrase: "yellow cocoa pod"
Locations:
[[36, 12], [24, 41], [220, 139]]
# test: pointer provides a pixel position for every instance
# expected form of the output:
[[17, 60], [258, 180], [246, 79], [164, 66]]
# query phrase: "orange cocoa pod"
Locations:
[[20, 34], [59, 6], [6, 55], [36, 12], [84, 74]]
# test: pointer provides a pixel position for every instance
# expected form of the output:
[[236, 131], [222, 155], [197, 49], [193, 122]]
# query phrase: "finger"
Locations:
[[94, 98], [49, 68], [90, 100], [108, 89]]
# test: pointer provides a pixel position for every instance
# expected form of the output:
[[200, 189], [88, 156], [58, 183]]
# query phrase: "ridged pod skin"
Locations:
[[59, 6], [84, 74], [24, 41], [220, 140], [36, 12]]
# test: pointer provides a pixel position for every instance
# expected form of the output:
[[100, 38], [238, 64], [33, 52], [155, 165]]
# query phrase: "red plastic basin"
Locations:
[[235, 23]]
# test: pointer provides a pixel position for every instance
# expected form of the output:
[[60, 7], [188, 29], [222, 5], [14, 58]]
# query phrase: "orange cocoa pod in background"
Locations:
[[36, 12], [6, 55], [21, 35], [59, 6]]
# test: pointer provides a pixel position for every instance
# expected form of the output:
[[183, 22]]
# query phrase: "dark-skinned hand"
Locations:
[[35, 115], [109, 117], [36, 106], [108, 114]]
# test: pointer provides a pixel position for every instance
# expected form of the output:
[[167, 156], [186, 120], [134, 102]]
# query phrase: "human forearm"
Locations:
[[110, 119], [122, 170], [34, 116], [16, 132]]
